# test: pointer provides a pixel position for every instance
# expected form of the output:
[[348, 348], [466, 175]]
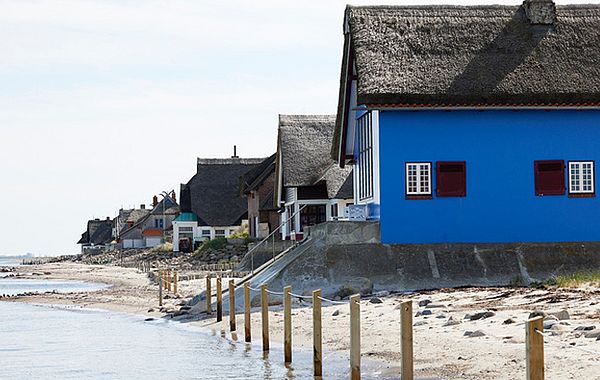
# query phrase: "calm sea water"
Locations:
[[52, 342]]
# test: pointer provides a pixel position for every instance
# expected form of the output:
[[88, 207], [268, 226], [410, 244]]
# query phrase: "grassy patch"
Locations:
[[579, 278]]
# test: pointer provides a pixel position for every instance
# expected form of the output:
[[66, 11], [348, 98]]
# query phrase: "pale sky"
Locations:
[[106, 103]]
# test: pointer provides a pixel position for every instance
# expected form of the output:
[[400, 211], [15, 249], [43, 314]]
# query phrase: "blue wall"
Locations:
[[499, 148]]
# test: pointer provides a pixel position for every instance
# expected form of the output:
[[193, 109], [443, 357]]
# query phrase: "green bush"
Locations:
[[215, 244]]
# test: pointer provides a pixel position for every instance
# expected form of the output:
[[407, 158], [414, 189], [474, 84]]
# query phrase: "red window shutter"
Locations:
[[451, 179], [549, 177]]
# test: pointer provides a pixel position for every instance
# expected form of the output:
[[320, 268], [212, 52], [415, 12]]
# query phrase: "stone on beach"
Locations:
[[482, 315]]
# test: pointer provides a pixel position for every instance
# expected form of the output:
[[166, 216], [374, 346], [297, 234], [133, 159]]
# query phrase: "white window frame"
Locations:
[[577, 180], [364, 128], [421, 169]]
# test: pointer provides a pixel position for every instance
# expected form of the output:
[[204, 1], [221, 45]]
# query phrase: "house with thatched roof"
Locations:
[[309, 186], [473, 124], [97, 235], [258, 187], [211, 205]]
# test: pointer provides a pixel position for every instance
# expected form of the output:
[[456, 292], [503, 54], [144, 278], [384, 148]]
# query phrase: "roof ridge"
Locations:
[[230, 161]]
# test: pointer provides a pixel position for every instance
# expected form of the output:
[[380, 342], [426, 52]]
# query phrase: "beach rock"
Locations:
[[536, 313], [482, 315], [585, 328], [548, 324], [474, 334], [441, 316], [424, 312], [560, 315], [148, 319], [424, 303], [383, 293], [508, 321], [551, 318], [451, 322], [595, 334], [336, 313], [375, 300], [150, 310], [356, 285], [420, 323]]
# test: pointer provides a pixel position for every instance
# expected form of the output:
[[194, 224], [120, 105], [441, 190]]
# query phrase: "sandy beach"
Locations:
[[443, 347]]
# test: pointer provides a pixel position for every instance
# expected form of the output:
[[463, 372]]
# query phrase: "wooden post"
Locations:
[[265, 316], [175, 282], [231, 305], [406, 337], [287, 324], [535, 349], [208, 296], [160, 289], [219, 301], [317, 335], [170, 279], [247, 329], [355, 337]]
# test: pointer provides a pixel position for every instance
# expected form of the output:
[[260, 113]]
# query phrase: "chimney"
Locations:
[[540, 12], [174, 196], [154, 201], [143, 207], [108, 218], [234, 152]]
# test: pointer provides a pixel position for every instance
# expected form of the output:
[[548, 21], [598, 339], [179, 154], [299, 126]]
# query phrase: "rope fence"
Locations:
[[534, 329]]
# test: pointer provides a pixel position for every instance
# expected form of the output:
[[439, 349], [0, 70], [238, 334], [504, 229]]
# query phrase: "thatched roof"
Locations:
[[98, 232], [252, 179], [449, 55], [303, 146], [481, 56], [214, 191]]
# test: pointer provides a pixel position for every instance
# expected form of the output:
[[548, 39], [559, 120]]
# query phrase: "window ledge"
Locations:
[[582, 195], [418, 197]]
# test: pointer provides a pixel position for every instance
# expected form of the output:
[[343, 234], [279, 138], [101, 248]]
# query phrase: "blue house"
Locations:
[[473, 124]]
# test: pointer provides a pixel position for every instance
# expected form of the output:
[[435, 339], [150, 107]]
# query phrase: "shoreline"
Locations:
[[441, 349]]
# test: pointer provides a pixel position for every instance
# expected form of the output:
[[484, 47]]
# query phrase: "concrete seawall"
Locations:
[[341, 255]]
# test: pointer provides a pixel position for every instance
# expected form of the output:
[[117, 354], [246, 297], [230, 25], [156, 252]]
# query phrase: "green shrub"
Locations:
[[215, 244]]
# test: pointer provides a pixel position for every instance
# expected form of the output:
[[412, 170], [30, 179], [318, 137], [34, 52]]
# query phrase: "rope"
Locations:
[[546, 335], [333, 302], [274, 293], [300, 296]]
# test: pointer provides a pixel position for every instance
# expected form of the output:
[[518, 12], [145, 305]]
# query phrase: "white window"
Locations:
[[364, 129], [206, 233], [418, 178], [186, 229], [219, 233], [581, 177]]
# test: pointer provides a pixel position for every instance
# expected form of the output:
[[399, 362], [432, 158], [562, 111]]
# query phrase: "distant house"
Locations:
[[211, 205], [473, 124], [97, 235], [258, 186], [152, 227], [309, 186]]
